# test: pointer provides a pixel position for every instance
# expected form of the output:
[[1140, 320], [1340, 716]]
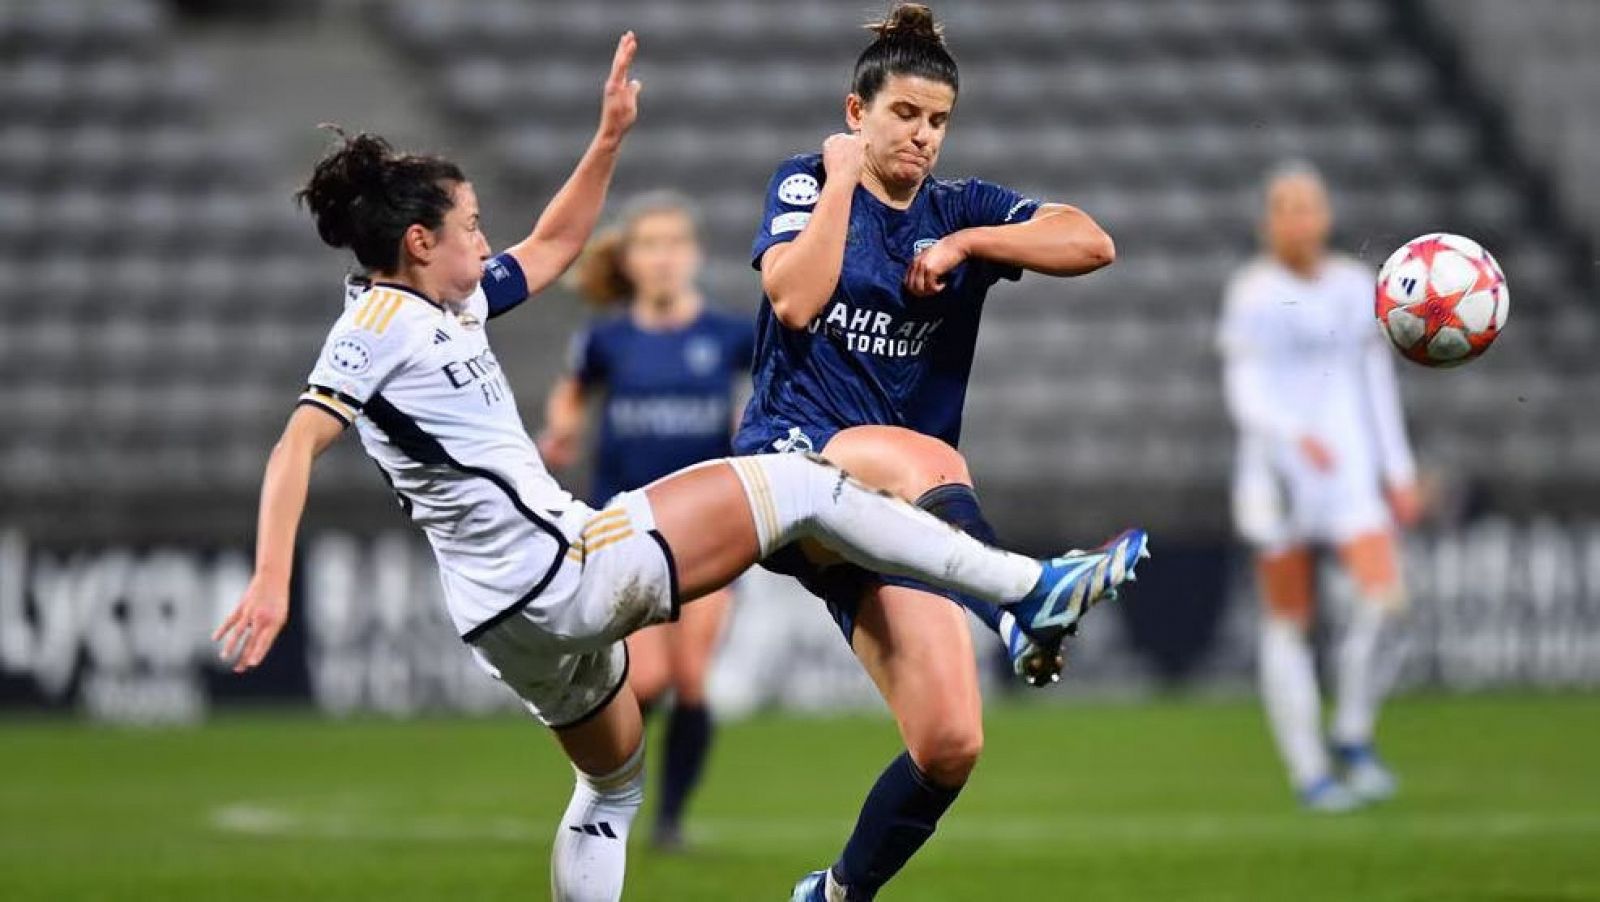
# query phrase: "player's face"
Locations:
[[661, 256], [459, 248], [904, 126], [1298, 218]]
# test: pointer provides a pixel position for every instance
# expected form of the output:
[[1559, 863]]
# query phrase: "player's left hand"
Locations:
[[1405, 502], [620, 106], [253, 626], [925, 276]]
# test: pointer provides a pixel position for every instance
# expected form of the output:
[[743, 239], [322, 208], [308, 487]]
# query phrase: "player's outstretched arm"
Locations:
[[249, 631], [567, 221], [1059, 240], [799, 276], [565, 416]]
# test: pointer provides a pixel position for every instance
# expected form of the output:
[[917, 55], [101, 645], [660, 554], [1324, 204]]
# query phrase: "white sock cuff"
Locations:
[[623, 779]]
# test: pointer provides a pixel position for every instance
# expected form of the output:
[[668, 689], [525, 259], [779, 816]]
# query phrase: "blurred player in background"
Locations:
[[666, 369], [1323, 459], [542, 587], [874, 275]]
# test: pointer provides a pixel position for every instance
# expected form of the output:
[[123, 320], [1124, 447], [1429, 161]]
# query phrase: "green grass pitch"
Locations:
[[1162, 801]]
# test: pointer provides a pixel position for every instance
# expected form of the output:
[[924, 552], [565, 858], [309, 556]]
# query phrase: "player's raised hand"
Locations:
[[620, 104], [843, 156], [925, 276], [248, 633]]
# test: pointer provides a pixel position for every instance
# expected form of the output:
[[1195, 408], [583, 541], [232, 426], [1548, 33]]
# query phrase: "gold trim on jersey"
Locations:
[[603, 530], [329, 401], [378, 310]]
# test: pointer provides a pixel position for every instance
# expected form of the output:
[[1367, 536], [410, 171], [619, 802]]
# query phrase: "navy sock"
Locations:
[[957, 505], [689, 731], [899, 815]]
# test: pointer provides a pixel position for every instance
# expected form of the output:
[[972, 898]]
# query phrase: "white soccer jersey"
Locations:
[[434, 411], [1304, 357]]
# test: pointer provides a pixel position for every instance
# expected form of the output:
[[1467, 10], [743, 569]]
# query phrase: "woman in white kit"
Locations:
[[1323, 459], [543, 588]]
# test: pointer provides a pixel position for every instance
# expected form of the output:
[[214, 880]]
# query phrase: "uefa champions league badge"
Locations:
[[350, 354], [799, 190]]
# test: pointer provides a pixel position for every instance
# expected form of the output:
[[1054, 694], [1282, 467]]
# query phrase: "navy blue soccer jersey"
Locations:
[[876, 354], [668, 394]]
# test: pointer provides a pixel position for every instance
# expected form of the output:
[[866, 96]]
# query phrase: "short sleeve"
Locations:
[[791, 197], [504, 285], [369, 343], [586, 358], [987, 204]]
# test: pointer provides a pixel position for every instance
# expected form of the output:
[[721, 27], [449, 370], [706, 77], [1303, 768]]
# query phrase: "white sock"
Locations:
[[1361, 684], [1289, 691], [795, 496], [590, 855]]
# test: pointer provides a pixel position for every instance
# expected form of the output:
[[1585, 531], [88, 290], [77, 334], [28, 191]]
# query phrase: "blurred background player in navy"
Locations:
[[1323, 459], [666, 371], [874, 276]]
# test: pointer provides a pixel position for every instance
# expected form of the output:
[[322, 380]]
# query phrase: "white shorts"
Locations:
[[563, 653], [1281, 507]]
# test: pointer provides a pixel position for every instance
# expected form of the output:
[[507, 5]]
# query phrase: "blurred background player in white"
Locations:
[[665, 369], [1323, 460]]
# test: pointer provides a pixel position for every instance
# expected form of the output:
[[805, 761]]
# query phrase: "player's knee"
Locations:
[[689, 683], [949, 751]]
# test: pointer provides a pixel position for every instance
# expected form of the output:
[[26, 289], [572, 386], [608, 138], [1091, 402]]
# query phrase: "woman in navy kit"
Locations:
[[874, 275], [666, 369]]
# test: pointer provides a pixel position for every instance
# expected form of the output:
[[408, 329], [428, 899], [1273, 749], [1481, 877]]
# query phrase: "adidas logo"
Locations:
[[601, 829], [440, 336]]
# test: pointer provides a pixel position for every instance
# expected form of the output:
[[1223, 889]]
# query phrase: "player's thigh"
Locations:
[[1286, 577], [649, 660], [897, 460], [693, 642], [606, 740], [706, 520], [918, 650], [1373, 561]]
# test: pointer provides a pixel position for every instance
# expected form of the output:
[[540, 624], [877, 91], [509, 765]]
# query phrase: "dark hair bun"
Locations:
[[363, 196], [353, 170], [909, 21]]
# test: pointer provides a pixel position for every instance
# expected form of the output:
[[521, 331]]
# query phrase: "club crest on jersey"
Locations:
[[702, 355], [799, 190], [350, 354], [922, 245]]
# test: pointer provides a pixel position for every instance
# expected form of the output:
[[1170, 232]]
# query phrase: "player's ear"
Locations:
[[418, 242], [854, 111]]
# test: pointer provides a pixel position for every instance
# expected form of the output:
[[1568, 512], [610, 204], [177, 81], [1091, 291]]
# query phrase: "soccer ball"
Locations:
[[1442, 299]]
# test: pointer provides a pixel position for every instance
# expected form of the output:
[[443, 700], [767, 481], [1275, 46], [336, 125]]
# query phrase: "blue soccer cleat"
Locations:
[[1328, 796], [1365, 773], [1075, 582], [1038, 665]]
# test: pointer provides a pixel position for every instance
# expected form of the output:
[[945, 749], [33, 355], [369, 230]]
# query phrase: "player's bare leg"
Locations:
[[1372, 561], [649, 665], [589, 857], [1289, 677], [919, 653], [925, 471]]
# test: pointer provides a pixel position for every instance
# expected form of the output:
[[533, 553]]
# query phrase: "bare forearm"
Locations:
[[283, 500], [564, 411], [570, 217], [1058, 241], [801, 278]]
